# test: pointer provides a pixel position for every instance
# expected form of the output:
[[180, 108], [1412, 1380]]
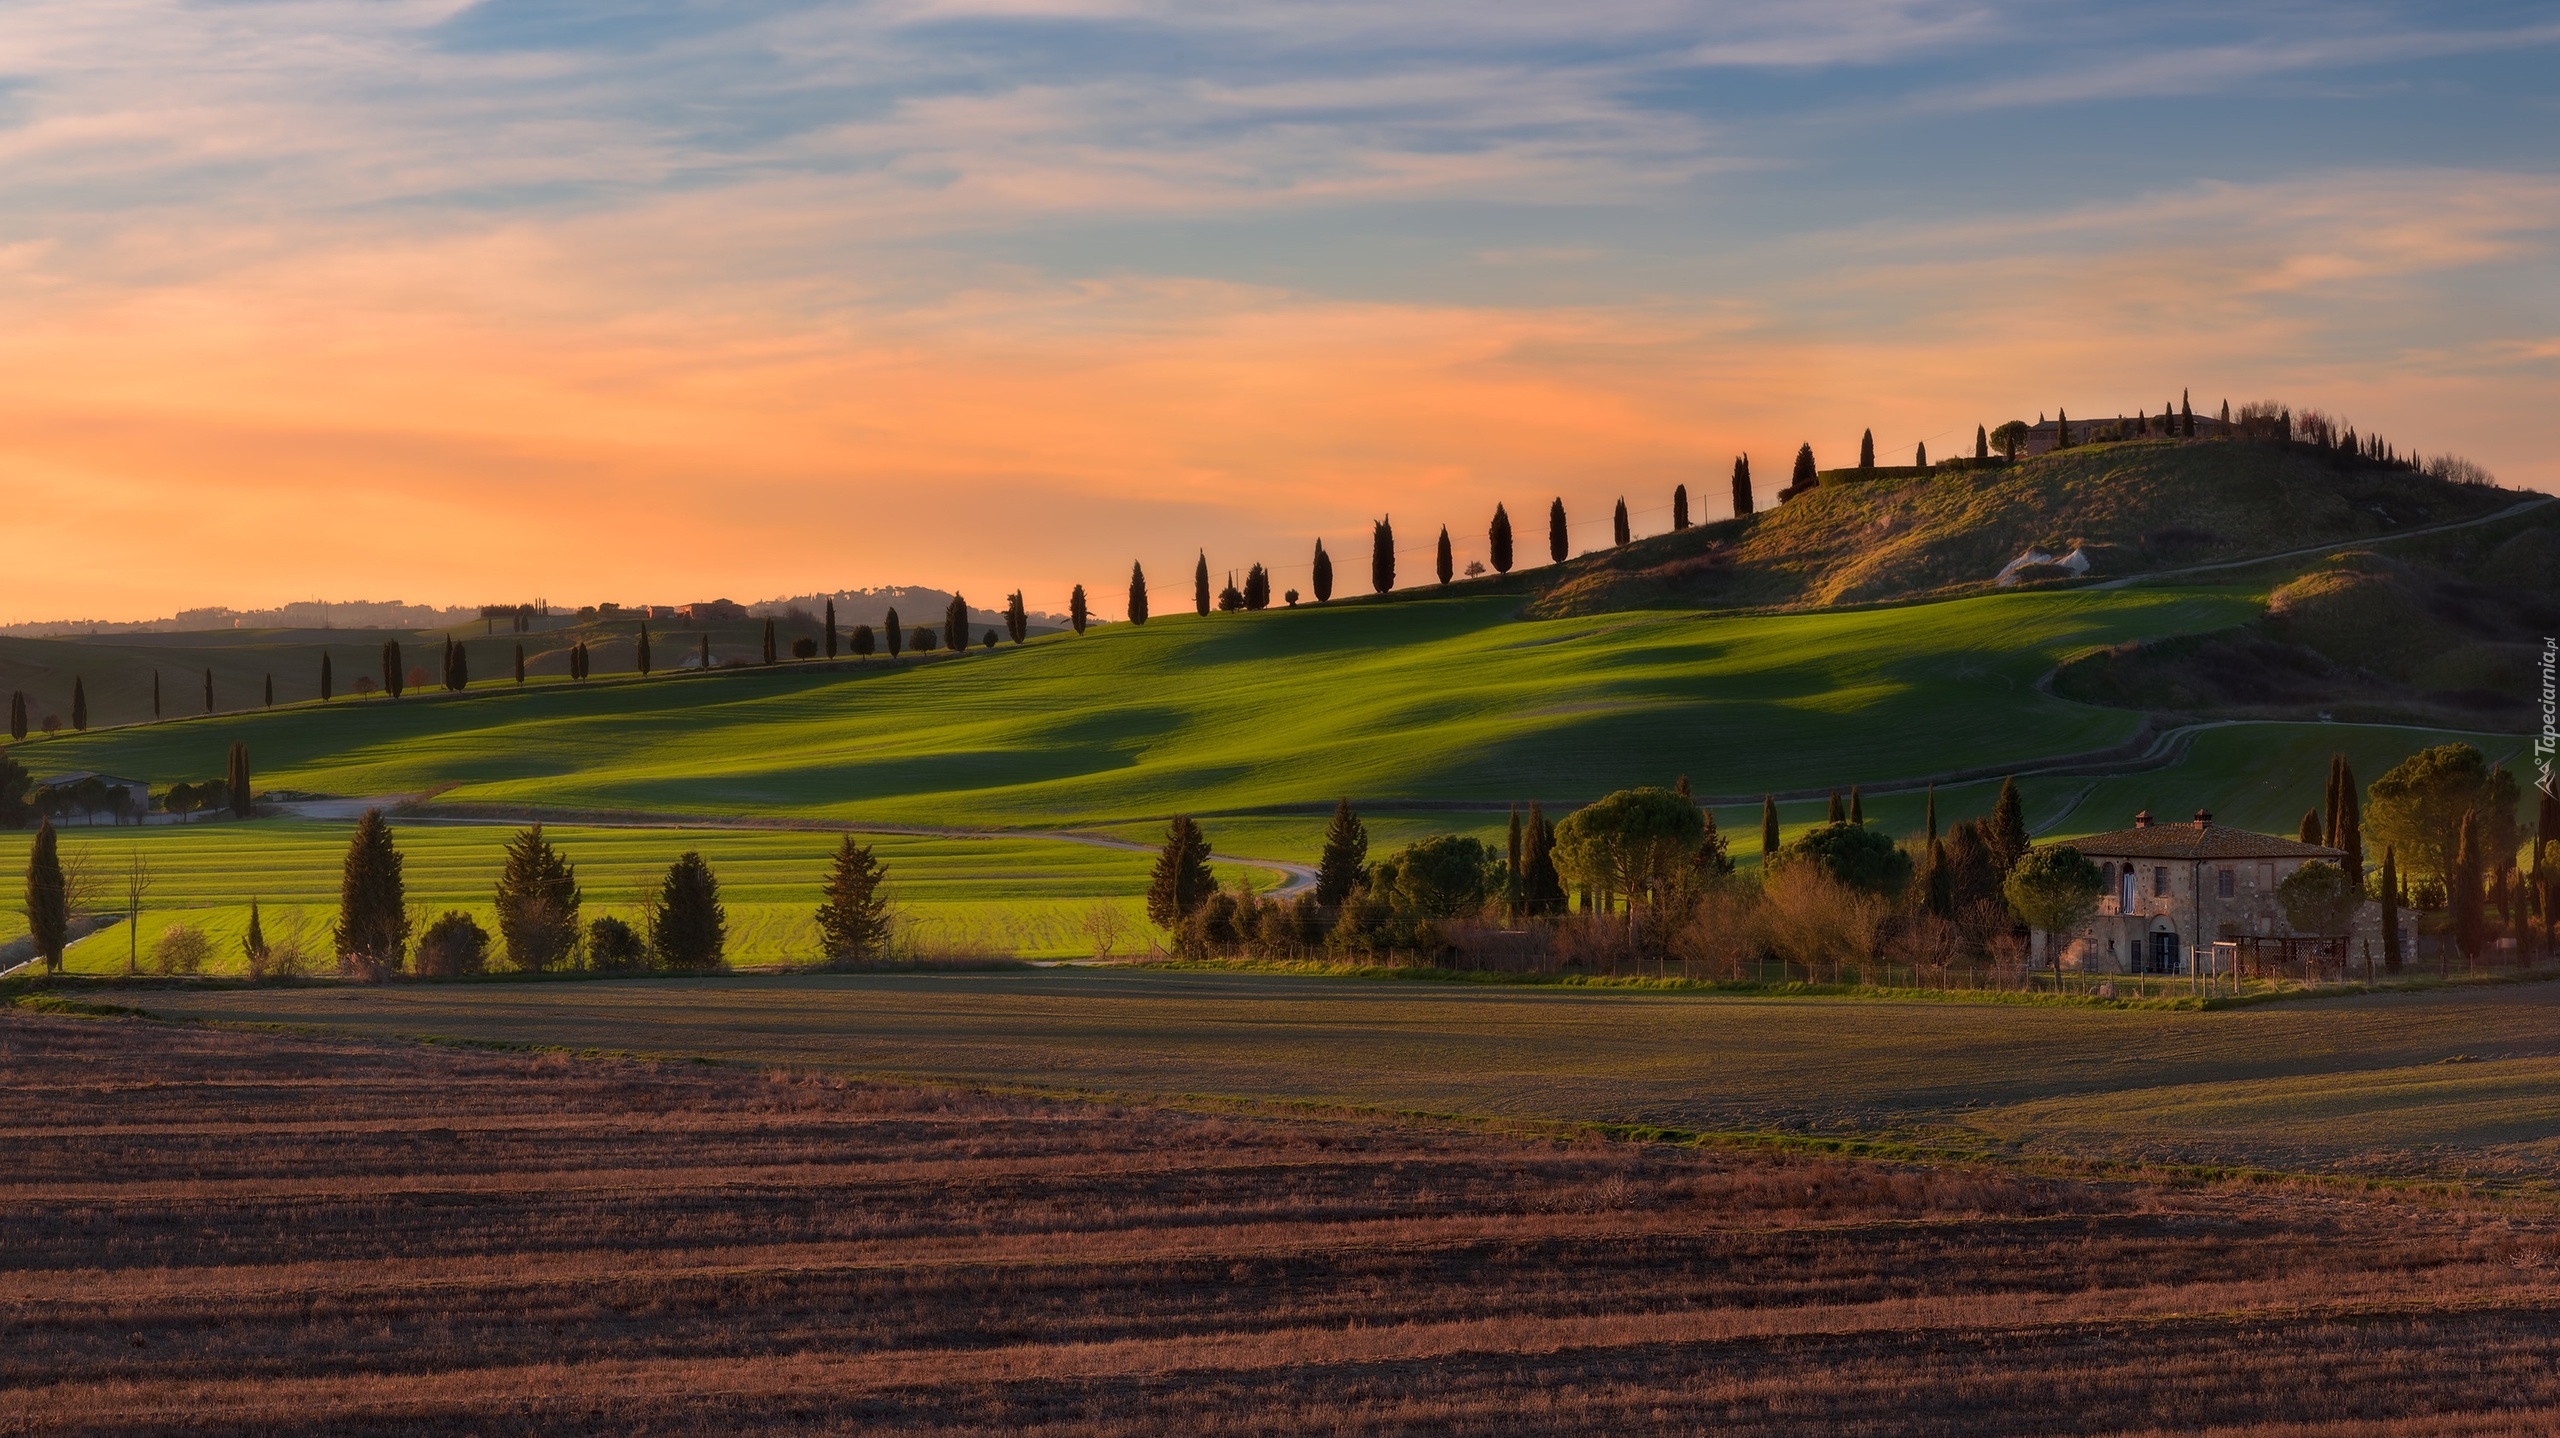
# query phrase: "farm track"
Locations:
[[222, 1231]]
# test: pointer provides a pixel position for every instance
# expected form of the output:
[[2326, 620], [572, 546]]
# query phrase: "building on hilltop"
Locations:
[[708, 611], [2041, 435], [2173, 891]]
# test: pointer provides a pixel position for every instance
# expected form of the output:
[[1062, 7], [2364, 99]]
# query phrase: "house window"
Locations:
[[2266, 876], [2225, 883], [2160, 881], [2125, 890]]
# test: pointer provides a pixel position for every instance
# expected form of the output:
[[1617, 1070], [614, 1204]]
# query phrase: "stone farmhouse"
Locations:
[[2040, 437], [2173, 891]]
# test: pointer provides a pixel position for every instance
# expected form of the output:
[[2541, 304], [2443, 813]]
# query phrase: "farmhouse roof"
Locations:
[[2196, 840], [76, 775]]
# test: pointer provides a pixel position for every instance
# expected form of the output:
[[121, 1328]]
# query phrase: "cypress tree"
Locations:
[[1137, 594], [253, 944], [688, 927], [1447, 565], [1511, 870], [2329, 804], [208, 691], [155, 685], [1768, 827], [391, 667], [1200, 584], [955, 623], [519, 661], [373, 912], [2470, 919], [1541, 887], [1867, 450], [1257, 584], [769, 655], [1555, 531], [17, 715], [1807, 475], [1181, 882], [1344, 865], [444, 666], [328, 681], [1498, 540], [831, 629], [538, 901], [1382, 556], [1680, 786], [1920, 455], [461, 668], [79, 706], [48, 898], [1981, 442], [1933, 814], [890, 631], [1077, 614], [853, 914], [2390, 877], [270, 701], [1837, 814], [236, 773], [1618, 523], [2186, 417], [1939, 892], [1741, 485], [641, 654], [2351, 824], [2061, 430], [1017, 614], [2007, 831], [1322, 581], [2310, 831], [1230, 598], [1679, 507], [1857, 808]]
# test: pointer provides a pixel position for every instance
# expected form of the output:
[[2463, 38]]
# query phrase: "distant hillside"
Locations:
[[2132, 508]]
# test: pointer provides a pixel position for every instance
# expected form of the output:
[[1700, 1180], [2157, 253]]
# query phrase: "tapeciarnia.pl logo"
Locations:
[[2549, 738]]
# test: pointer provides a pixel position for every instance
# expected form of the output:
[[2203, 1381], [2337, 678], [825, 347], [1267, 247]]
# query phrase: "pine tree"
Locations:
[[830, 643], [1741, 485], [1836, 814], [519, 661], [1556, 544], [2006, 833], [1498, 540], [641, 656], [2389, 886], [769, 655], [79, 706], [1768, 827], [1200, 584], [1344, 865], [1807, 475], [1181, 882], [1446, 564], [48, 898], [955, 624], [1137, 594], [853, 915], [1078, 615], [236, 772], [538, 902], [1867, 450], [1679, 507], [1981, 442], [1382, 556], [328, 682], [155, 684], [373, 912], [1322, 580], [890, 631], [688, 927]]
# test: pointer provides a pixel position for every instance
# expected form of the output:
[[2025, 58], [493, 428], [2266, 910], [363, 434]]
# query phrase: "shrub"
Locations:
[[452, 946], [181, 949], [804, 647], [615, 947], [1853, 855], [2317, 898]]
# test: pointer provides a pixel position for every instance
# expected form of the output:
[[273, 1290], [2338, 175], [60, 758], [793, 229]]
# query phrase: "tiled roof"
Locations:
[[2198, 841]]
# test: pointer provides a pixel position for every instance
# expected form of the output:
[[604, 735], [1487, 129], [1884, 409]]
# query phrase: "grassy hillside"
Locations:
[[2133, 507], [1433, 699]]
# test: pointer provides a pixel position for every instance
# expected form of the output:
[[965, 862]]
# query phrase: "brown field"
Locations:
[[220, 1231]]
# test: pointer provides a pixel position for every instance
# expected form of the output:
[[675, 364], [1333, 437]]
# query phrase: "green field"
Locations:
[[1004, 895], [2462, 1084], [1445, 698]]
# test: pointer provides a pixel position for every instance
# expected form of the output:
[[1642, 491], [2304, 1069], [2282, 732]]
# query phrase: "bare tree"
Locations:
[[137, 887]]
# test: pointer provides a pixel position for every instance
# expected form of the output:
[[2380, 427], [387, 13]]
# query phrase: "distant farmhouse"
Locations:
[[2042, 436], [2175, 890]]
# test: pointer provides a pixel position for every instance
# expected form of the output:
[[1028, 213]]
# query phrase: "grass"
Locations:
[[2349, 1086], [1007, 895], [217, 1231], [1436, 698]]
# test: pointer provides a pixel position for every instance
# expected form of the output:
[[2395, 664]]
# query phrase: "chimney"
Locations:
[[2203, 818], [2142, 820]]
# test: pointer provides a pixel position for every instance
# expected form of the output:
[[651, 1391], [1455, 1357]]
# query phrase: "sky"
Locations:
[[647, 301]]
